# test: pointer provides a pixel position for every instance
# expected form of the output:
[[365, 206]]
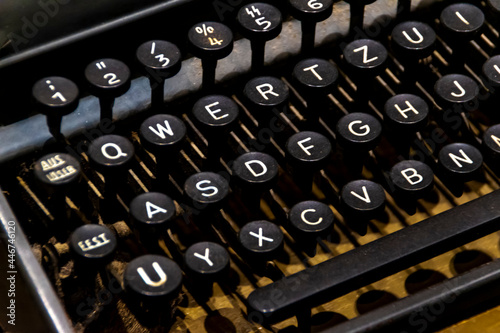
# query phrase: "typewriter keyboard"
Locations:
[[288, 166]]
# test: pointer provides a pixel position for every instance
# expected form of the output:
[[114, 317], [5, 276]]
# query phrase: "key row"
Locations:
[[110, 78]]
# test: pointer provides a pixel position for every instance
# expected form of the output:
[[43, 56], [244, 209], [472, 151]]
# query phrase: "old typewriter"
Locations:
[[249, 166]]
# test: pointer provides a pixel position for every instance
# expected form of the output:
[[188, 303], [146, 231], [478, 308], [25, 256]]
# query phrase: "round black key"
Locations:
[[311, 218], [216, 113], [256, 170], [110, 152], [406, 113], [460, 160], [491, 69], [160, 57], [152, 210], [162, 133], [153, 279], [210, 40], [413, 39], [315, 76], [366, 57], [412, 179], [161, 60], [266, 94], [491, 142], [57, 170], [312, 11], [207, 261], [55, 97], [206, 188], [462, 20], [108, 77], [359, 131], [261, 239], [260, 21], [363, 198], [494, 5], [93, 244], [308, 150], [456, 89]]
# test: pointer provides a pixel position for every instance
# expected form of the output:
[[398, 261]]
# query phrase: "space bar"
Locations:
[[371, 262]]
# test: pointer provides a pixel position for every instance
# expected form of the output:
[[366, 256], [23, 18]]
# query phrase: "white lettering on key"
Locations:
[[156, 209], [403, 112], [365, 54], [456, 159], [305, 149], [90, 244], [205, 257], [160, 131], [366, 128], [206, 188], [414, 174], [61, 174], [462, 18], [264, 93], [261, 237], [119, 152], [313, 71], [462, 90], [420, 37], [255, 174], [303, 217], [213, 112], [366, 198], [52, 163], [148, 281]]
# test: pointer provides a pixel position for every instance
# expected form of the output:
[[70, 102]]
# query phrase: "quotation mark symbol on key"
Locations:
[[101, 65]]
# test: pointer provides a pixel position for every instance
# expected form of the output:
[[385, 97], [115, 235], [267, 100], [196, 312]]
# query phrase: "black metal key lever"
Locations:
[[373, 261]]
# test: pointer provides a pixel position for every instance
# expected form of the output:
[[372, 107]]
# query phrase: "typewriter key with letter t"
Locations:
[[108, 79], [161, 60], [316, 79], [55, 97], [210, 41], [260, 22]]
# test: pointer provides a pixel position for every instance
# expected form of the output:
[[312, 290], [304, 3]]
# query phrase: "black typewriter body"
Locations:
[[244, 166]]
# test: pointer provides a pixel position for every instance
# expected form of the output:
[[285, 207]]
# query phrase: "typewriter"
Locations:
[[250, 166]]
